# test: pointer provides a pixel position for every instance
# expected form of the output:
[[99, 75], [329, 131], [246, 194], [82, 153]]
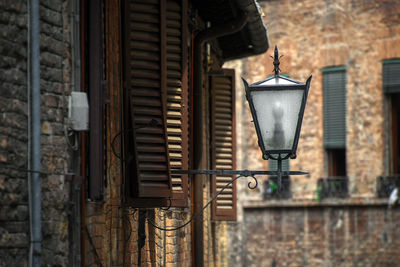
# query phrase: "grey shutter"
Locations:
[[334, 87], [391, 76], [273, 165]]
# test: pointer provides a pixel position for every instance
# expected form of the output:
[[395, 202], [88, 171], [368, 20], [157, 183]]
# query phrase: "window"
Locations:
[[223, 144], [334, 107], [156, 102], [391, 88]]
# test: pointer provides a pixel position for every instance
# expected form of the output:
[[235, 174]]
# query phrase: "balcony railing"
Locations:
[[386, 183], [272, 191], [332, 187]]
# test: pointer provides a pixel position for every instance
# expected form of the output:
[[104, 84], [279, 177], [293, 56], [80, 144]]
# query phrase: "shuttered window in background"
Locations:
[[223, 143], [334, 87], [156, 86], [273, 165], [391, 88], [334, 106], [391, 76]]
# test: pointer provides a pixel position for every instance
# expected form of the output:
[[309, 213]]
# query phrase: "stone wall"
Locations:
[[56, 153], [55, 83], [14, 235]]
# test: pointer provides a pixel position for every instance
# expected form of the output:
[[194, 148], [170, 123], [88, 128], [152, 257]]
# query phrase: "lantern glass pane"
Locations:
[[277, 114]]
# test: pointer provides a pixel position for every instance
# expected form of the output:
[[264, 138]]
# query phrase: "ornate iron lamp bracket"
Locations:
[[245, 173]]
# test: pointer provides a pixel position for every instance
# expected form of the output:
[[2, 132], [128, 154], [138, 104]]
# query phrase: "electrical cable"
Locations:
[[67, 135], [194, 216]]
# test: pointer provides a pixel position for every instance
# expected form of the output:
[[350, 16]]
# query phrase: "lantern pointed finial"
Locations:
[[276, 61]]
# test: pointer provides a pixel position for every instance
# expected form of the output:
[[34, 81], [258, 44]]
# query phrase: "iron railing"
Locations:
[[332, 187], [272, 191], [386, 183]]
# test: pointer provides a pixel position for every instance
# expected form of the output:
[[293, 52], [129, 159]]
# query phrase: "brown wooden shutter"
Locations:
[[146, 87], [223, 140], [177, 97], [96, 96]]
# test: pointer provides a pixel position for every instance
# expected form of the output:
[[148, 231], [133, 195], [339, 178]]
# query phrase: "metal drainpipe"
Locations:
[[200, 157], [34, 126]]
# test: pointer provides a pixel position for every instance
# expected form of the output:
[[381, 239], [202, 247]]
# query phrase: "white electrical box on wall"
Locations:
[[78, 111]]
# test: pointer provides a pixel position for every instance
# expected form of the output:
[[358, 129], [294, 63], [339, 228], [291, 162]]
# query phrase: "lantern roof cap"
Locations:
[[277, 80]]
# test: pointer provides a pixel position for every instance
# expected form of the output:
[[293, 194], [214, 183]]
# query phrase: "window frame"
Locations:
[[331, 146]]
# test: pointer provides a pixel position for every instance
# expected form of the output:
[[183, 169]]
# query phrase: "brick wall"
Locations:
[[312, 35], [322, 236]]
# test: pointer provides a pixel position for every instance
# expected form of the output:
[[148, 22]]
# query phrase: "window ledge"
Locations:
[[330, 202]]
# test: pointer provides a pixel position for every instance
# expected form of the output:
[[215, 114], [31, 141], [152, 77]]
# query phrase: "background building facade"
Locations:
[[337, 214]]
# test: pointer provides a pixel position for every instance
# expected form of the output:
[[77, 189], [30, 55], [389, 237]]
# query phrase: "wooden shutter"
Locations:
[[334, 86], [223, 140], [391, 76], [146, 88], [177, 97], [156, 77], [96, 96]]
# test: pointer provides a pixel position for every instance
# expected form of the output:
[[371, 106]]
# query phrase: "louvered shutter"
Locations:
[[391, 76], [177, 97], [273, 165], [146, 88], [223, 144], [334, 99]]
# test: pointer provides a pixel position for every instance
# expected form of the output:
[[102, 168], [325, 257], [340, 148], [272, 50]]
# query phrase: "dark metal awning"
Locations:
[[251, 40]]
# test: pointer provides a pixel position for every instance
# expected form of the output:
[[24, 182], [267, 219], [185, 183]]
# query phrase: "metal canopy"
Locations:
[[251, 40]]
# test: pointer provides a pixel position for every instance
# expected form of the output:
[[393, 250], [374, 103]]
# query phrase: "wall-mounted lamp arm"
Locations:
[[245, 173]]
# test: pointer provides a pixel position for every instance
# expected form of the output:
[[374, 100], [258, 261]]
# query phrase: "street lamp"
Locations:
[[277, 105]]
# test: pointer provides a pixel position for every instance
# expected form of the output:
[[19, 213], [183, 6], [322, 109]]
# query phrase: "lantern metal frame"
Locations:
[[258, 86]]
